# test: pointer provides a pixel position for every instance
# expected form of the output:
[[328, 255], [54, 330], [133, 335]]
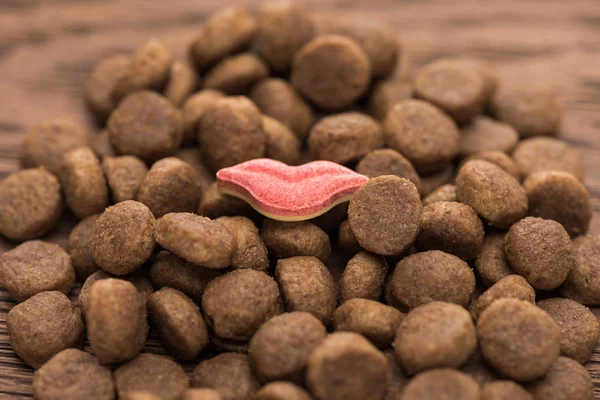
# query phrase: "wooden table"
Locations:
[[47, 48]]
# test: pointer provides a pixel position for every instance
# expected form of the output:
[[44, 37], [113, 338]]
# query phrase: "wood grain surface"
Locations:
[[47, 48]]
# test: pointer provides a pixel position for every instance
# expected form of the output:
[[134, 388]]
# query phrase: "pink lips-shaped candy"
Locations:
[[286, 193]]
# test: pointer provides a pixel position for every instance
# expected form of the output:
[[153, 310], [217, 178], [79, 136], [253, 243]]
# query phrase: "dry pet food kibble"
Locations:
[[250, 251], [182, 83], [445, 383], [229, 373], [499, 159], [434, 180], [511, 286], [202, 394], [124, 175], [79, 247], [101, 83], [346, 239], [565, 380], [217, 204], [101, 144], [236, 74], [443, 193], [486, 134], [385, 94], [289, 239], [363, 277], [282, 143], [193, 109], [583, 283], [281, 391], [548, 154], [504, 390], [388, 162], [491, 264]]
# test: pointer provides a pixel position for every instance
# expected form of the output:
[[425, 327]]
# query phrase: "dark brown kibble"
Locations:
[[540, 250], [307, 285], [115, 321], [282, 143], [434, 180], [196, 239], [146, 125], [281, 391], [101, 144], [302, 238], [78, 247], [432, 276], [279, 350], [182, 82], [363, 277], [385, 94], [347, 240], [101, 83], [193, 110], [452, 228], [73, 374], [332, 219], [331, 71], [397, 378], [152, 374], [491, 264], [46, 142], [250, 251], [498, 158], [504, 390], [193, 156], [385, 215], [485, 70], [43, 326], [561, 197], [388, 162], [548, 154], [217, 204], [231, 132], [179, 323], [477, 368], [202, 394], [83, 182], [443, 383], [422, 133], [512, 286], [443, 193], [125, 175], [124, 237], [583, 283], [36, 266], [566, 380], [518, 340], [137, 395], [229, 374], [486, 134], [435, 335], [236, 75], [222, 345], [30, 204], [493, 193]]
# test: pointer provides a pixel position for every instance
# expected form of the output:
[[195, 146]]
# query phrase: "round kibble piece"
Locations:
[[422, 133], [432, 276], [226, 301], [579, 327], [375, 321], [385, 215], [346, 366], [302, 238], [363, 277], [307, 285], [30, 204], [346, 239], [146, 125], [193, 110], [397, 378], [487, 72], [442, 383], [101, 144], [548, 154], [281, 391], [125, 175], [432, 181], [115, 320], [152, 374], [79, 247], [282, 143], [476, 368], [583, 283], [504, 390], [493, 193], [193, 156], [511, 286], [387, 93], [202, 394], [83, 181], [344, 137], [452, 228], [101, 83], [73, 374], [179, 323], [250, 252], [331, 71], [566, 380], [540, 250], [486, 134], [443, 193], [435, 335], [561, 197], [231, 132], [532, 109], [388, 162], [124, 237], [499, 159], [228, 373], [236, 75], [196, 239], [36, 266], [228, 31], [217, 204], [222, 345], [279, 350], [182, 83], [491, 264], [46, 142], [518, 340], [43, 326]]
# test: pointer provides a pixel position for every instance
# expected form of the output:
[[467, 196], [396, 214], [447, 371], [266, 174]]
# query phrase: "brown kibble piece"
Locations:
[[78, 247], [388, 162], [181, 84], [101, 83], [146, 125], [579, 327], [499, 159], [504, 390], [193, 156], [46, 142], [222, 345], [115, 321], [125, 175], [236, 75], [346, 366], [491, 264], [73, 374], [583, 283], [331, 71], [250, 252], [217, 204], [43, 326], [548, 154], [124, 237], [202, 394], [493, 193], [332, 219], [302, 238], [540, 250], [387, 93], [518, 339], [137, 395], [347, 240], [282, 143], [281, 391], [432, 181], [363, 277], [432, 276], [179, 323], [83, 182], [228, 373], [385, 215], [154, 374], [30, 204], [375, 321], [397, 378], [509, 287], [101, 144], [443, 193], [565, 380], [193, 110], [486, 134], [36, 266], [485, 70], [452, 228], [196, 239], [279, 350], [445, 383], [422, 133], [307, 285], [231, 132], [477, 368]]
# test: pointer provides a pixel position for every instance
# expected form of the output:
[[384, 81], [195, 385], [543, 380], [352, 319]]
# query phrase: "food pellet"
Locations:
[[222, 345], [101, 144], [397, 378], [289, 239], [282, 144], [443, 193], [566, 379], [477, 368], [491, 264], [193, 109], [236, 75], [548, 154], [101, 83], [181, 84], [228, 373], [434, 180], [442, 383], [281, 391], [486, 134], [485, 70], [504, 390], [346, 239], [193, 156], [499, 159], [42, 326], [251, 251], [217, 204], [583, 282], [137, 395], [78, 247], [124, 175], [385, 94], [388, 162], [363, 277], [202, 394], [511, 286]]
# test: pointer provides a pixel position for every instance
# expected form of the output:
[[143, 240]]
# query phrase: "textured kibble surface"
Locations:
[[500, 159], [548, 154], [236, 74], [511, 286], [363, 277], [124, 176], [442, 383], [486, 134], [388, 162], [491, 263], [181, 84], [289, 239], [504, 390], [583, 283], [193, 109], [251, 251], [443, 193], [78, 247], [282, 144], [281, 391], [566, 379], [229, 374], [101, 82]]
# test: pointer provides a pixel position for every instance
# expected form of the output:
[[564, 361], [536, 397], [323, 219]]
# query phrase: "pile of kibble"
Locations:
[[465, 268]]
